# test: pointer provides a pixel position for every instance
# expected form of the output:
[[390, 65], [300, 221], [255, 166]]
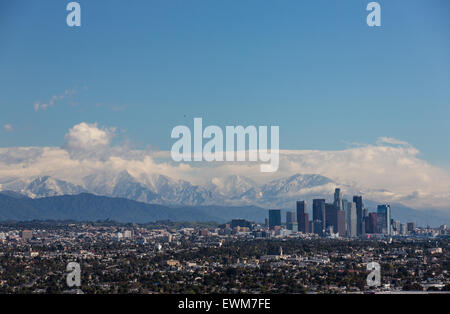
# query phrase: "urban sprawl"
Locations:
[[327, 254]]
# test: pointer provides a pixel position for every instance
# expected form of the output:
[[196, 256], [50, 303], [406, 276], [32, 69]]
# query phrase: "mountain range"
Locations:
[[89, 207], [160, 189], [156, 197]]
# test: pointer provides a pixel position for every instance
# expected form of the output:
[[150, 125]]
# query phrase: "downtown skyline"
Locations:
[[224, 155]]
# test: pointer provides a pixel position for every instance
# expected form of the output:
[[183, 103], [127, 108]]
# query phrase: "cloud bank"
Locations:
[[389, 170]]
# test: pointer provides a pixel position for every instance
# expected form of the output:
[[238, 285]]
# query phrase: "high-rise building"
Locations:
[[364, 222], [306, 223], [319, 210], [351, 219], [340, 223], [274, 218], [302, 217], [359, 214], [372, 223], [311, 226], [338, 199], [384, 219], [366, 225], [395, 227], [344, 204], [290, 217], [403, 229], [318, 227], [331, 216], [365, 212], [291, 220], [411, 226]]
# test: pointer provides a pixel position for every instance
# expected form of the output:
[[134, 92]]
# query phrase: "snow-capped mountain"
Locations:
[[156, 189], [160, 189], [232, 186], [234, 189], [227, 193], [176, 192], [230, 191], [47, 186], [294, 185], [121, 184]]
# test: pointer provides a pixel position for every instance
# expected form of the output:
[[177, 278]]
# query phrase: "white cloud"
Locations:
[[88, 136], [88, 140], [53, 100], [389, 171], [393, 141]]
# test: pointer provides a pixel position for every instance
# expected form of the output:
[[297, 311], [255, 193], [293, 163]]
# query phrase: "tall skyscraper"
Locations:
[[372, 223], [318, 227], [359, 214], [274, 217], [290, 217], [344, 204], [319, 216], [411, 226], [291, 221], [306, 223], [403, 229], [351, 219], [319, 210], [331, 217], [395, 227], [365, 217], [340, 223], [302, 217], [367, 224], [338, 199], [365, 212], [311, 226], [384, 219], [335, 217]]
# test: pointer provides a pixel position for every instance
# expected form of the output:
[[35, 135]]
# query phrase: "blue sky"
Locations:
[[312, 67]]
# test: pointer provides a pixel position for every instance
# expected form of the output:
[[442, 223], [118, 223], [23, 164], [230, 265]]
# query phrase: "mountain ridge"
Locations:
[[231, 191], [90, 207]]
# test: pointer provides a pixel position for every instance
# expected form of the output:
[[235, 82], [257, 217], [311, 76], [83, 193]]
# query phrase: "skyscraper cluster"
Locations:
[[342, 217]]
